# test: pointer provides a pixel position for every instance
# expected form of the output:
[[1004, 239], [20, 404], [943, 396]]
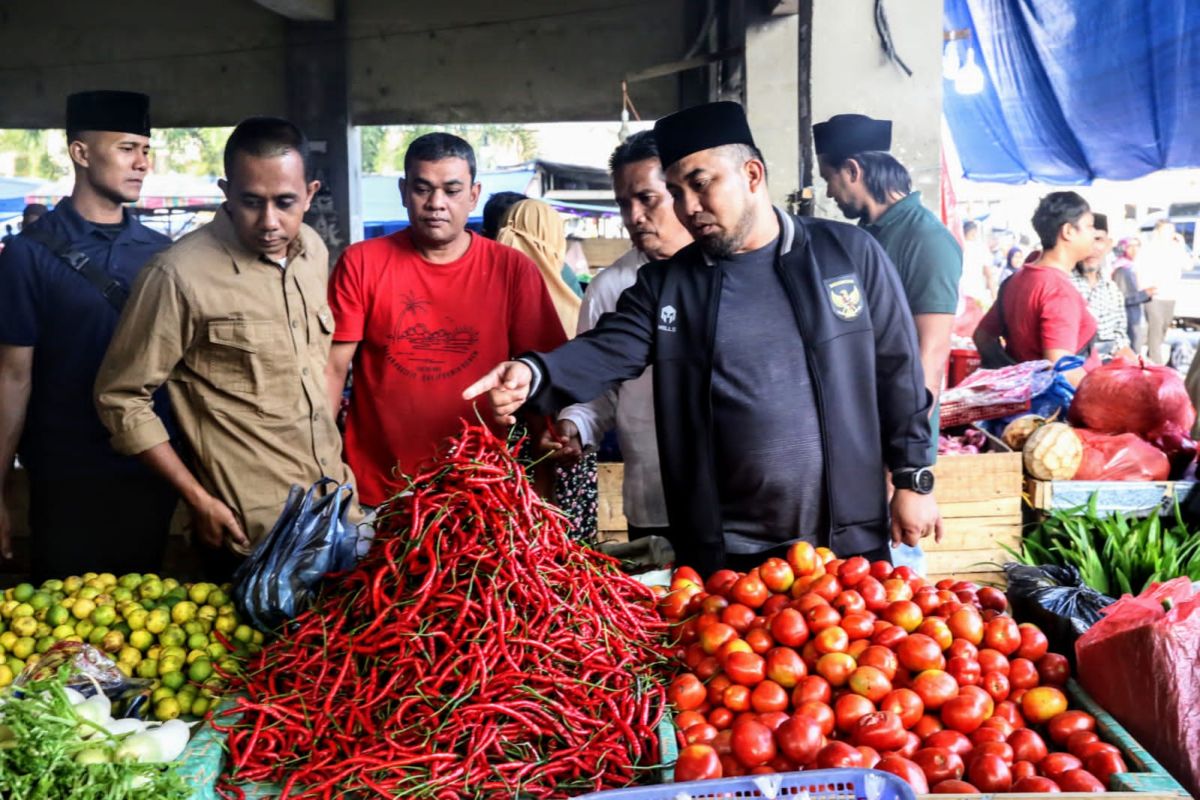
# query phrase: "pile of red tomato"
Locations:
[[816, 662]]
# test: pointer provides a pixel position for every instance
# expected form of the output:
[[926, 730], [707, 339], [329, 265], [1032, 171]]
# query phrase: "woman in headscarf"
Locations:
[[536, 229]]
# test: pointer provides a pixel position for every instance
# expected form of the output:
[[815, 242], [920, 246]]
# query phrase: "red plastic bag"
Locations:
[[1123, 457], [1120, 397], [1140, 663]]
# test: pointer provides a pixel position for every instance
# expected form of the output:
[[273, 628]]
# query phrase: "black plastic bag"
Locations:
[[1055, 599], [311, 539]]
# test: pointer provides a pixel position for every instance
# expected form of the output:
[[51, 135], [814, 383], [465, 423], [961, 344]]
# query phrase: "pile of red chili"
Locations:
[[474, 652]]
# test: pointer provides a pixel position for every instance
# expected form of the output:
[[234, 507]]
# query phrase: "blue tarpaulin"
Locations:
[[1076, 90], [13, 192]]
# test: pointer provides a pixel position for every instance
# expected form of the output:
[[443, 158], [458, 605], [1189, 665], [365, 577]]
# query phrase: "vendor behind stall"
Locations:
[[786, 366]]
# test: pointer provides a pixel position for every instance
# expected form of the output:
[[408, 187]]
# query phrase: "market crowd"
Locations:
[[770, 377]]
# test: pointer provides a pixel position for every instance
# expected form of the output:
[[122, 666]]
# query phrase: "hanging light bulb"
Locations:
[[969, 79], [623, 133], [950, 64]]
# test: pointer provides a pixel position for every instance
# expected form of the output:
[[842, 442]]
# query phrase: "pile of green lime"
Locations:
[[155, 628]]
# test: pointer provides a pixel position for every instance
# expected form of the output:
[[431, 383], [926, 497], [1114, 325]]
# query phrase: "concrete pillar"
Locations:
[[318, 93], [850, 74], [773, 99]]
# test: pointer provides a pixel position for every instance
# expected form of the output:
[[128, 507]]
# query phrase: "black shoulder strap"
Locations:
[[112, 289]]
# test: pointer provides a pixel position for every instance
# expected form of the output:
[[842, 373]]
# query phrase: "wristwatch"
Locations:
[[919, 480]]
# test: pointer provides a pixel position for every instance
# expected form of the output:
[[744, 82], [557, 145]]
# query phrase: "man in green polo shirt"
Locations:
[[870, 185]]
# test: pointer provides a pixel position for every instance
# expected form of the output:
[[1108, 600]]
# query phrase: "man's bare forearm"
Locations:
[[163, 459], [16, 382]]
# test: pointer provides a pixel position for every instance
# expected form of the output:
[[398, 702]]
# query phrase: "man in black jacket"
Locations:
[[787, 374]]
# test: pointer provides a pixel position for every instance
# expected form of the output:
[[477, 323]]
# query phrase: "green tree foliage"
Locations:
[[383, 147]]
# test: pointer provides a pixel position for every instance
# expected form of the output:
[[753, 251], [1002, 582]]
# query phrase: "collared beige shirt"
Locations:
[[241, 344]]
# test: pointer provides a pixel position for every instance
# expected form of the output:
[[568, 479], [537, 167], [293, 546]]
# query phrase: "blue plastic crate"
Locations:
[[818, 784]]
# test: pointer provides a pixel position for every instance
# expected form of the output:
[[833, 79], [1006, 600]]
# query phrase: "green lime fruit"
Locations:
[[22, 592], [244, 633], [168, 664], [129, 581], [135, 618], [24, 626], [147, 668], [198, 592], [24, 647], [141, 639], [217, 598], [197, 641], [89, 592], [121, 595], [23, 610], [150, 589], [158, 620], [130, 655], [201, 706], [52, 585], [57, 615], [63, 631], [45, 643], [97, 635], [200, 670], [112, 642], [103, 616], [83, 608], [172, 680], [160, 693], [172, 636], [83, 628], [167, 709], [216, 651], [40, 600]]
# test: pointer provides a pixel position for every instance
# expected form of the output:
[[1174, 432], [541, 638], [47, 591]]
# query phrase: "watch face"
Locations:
[[923, 481]]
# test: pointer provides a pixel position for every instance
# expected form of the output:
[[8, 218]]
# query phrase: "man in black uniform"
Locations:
[[786, 368], [63, 282]]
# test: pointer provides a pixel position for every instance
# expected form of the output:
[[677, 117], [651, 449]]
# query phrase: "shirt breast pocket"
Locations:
[[244, 357]]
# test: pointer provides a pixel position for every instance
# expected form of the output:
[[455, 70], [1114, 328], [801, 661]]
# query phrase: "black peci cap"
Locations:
[[105, 110], [1100, 222], [701, 128], [846, 134]]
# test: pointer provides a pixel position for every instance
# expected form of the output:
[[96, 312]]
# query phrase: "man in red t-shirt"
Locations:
[[420, 312], [1040, 313]]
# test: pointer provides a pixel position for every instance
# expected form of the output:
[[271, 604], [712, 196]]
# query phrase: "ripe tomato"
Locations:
[[717, 688], [714, 635], [854, 570], [965, 670], [777, 575], [1001, 749], [996, 685], [820, 713], [813, 688], [723, 743], [768, 696], [832, 640], [1023, 769], [990, 597], [870, 682], [1105, 765], [1043, 704], [738, 617], [1035, 784], [826, 586], [785, 667], [898, 765], [954, 787], [1055, 765], [698, 762], [839, 755], [966, 624], [1092, 748], [773, 719], [953, 741], [964, 714], [939, 764], [760, 640], [686, 719], [1011, 712], [1063, 725], [746, 669], [989, 733], [720, 718], [713, 604], [686, 692], [881, 730], [919, 652], [749, 591], [800, 739], [858, 625], [935, 628], [1022, 673], [850, 602], [961, 648], [702, 733], [1027, 745], [993, 661], [934, 687], [1053, 669], [1034, 643], [707, 668], [905, 614], [927, 600], [835, 668], [802, 558], [820, 617], [911, 745], [881, 570], [898, 590], [774, 603], [736, 698], [686, 574], [904, 703], [990, 773], [849, 709], [730, 768], [857, 647], [730, 647], [1080, 739], [721, 581], [882, 659], [873, 594], [1079, 780], [753, 743], [870, 756], [926, 726], [1002, 634], [888, 637]]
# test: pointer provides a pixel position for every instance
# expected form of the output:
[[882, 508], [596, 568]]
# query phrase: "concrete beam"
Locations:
[[302, 10], [782, 7]]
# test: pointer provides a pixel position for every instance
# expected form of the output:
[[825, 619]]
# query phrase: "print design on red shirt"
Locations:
[[423, 348]]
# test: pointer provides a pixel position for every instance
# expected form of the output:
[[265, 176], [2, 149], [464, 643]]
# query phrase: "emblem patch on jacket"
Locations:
[[845, 296], [666, 319]]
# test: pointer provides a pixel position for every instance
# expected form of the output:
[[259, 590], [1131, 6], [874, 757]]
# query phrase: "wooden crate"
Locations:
[[980, 500], [1131, 497]]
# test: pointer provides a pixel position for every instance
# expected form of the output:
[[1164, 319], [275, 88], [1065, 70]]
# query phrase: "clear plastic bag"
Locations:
[[90, 670], [312, 538]]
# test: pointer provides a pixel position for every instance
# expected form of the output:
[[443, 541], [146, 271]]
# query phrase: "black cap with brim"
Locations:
[[106, 110], [845, 135], [701, 128]]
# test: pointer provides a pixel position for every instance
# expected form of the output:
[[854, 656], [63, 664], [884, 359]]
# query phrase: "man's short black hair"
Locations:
[[970, 226], [640, 146], [883, 175], [267, 137], [1055, 210], [495, 209], [438, 146]]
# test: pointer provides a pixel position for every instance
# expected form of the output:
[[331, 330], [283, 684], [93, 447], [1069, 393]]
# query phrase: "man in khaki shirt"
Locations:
[[233, 318]]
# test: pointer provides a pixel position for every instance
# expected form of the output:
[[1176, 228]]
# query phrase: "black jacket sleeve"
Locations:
[[618, 349], [902, 398]]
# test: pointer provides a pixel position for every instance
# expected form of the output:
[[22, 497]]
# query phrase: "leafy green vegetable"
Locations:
[[40, 744], [1114, 553]]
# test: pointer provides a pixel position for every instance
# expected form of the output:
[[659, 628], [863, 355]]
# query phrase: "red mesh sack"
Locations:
[[1120, 457], [1120, 397], [1140, 664]]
